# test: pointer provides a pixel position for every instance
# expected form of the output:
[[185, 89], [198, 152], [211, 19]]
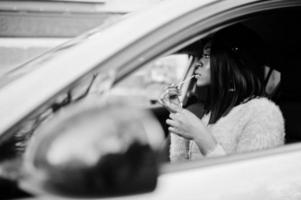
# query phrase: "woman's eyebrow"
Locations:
[[206, 49]]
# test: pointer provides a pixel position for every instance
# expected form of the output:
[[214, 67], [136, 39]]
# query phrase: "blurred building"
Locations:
[[29, 28]]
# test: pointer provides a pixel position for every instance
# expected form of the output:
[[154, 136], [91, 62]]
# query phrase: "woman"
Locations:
[[239, 118]]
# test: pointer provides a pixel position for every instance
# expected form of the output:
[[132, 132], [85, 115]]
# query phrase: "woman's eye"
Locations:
[[207, 56]]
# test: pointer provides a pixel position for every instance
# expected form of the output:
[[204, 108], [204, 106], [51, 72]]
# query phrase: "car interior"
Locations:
[[280, 32], [281, 36]]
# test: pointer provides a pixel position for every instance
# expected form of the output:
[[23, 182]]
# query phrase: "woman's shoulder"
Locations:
[[263, 105], [261, 102]]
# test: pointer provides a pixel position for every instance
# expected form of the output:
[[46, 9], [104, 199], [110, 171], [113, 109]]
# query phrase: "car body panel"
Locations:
[[275, 175], [272, 176]]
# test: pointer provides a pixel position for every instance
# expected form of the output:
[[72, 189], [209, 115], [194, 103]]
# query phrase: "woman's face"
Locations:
[[202, 67]]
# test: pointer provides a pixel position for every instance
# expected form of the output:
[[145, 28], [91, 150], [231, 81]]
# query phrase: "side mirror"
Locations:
[[94, 151]]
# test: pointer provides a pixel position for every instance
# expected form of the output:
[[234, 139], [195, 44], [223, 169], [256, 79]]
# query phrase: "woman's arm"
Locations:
[[185, 124], [179, 147]]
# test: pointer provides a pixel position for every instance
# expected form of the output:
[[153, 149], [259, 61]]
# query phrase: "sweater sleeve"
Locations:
[[217, 151], [264, 129], [178, 148]]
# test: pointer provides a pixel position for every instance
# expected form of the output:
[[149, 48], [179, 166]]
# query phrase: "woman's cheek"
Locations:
[[203, 80]]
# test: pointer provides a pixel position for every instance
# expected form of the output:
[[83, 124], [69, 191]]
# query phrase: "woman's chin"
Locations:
[[201, 83]]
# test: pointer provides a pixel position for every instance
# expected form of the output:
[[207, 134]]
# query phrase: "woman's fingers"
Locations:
[[174, 130], [174, 126], [179, 125], [171, 122], [172, 115], [176, 120], [175, 116]]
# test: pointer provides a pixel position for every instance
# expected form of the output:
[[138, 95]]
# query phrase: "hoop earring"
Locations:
[[232, 89]]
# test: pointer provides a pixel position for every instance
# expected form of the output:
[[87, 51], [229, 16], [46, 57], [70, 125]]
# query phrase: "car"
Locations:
[[106, 62]]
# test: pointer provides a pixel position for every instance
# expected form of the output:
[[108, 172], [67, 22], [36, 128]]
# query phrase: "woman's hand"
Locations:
[[170, 99], [186, 124]]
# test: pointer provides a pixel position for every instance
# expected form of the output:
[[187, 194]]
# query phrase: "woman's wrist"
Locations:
[[205, 144]]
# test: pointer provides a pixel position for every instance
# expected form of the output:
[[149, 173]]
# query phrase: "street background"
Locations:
[[29, 28]]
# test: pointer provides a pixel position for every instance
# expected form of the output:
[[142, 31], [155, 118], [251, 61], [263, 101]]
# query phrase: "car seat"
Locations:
[[289, 97]]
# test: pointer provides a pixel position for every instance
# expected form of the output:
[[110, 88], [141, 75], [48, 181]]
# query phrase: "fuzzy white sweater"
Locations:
[[254, 125]]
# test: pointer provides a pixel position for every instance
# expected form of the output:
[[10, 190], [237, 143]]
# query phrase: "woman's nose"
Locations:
[[198, 66]]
